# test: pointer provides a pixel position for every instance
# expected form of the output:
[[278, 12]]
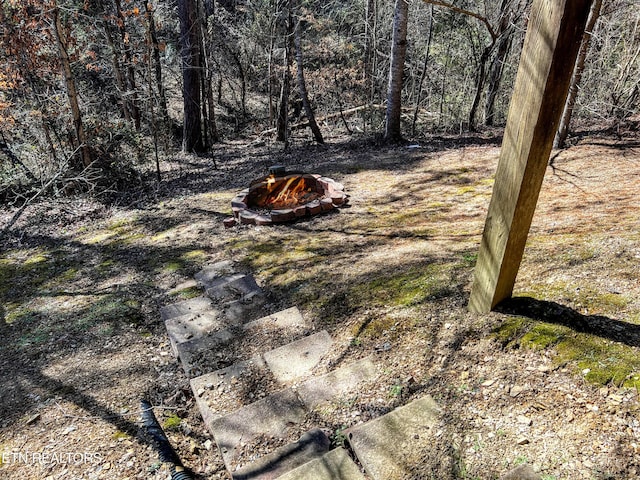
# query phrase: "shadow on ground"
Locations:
[[552, 312]]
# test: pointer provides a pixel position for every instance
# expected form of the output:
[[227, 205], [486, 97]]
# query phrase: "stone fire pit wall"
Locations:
[[331, 195]]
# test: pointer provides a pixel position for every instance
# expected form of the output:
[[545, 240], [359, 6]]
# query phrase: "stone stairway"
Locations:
[[260, 384]]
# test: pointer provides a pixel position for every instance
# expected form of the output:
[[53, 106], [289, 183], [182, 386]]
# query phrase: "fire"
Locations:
[[270, 181], [288, 193]]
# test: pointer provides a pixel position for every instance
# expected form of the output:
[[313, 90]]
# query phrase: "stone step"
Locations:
[[280, 414], [233, 287], [325, 388], [297, 359], [225, 390], [205, 352], [211, 273], [250, 307], [312, 446], [186, 307], [333, 465], [389, 447], [186, 328], [270, 417]]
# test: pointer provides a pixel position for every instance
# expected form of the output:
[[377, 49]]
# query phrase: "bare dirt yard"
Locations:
[[551, 379]]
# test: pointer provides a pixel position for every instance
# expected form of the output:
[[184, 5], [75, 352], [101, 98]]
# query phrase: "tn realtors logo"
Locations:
[[50, 458]]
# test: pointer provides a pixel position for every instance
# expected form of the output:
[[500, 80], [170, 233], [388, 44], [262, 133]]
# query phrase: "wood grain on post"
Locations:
[[549, 53]]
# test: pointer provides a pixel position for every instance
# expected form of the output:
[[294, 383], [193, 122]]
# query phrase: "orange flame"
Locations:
[[292, 193]]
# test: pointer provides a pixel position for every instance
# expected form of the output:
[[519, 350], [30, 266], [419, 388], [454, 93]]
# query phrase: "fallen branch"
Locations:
[[27, 202], [15, 161], [329, 116]]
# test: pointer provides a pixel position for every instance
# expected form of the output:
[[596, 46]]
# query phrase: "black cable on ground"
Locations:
[[165, 451]]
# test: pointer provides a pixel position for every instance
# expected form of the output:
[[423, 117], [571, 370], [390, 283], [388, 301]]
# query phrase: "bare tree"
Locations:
[[565, 120], [302, 86], [152, 39], [423, 74], [396, 71], [190, 41], [506, 30], [282, 124], [62, 40]]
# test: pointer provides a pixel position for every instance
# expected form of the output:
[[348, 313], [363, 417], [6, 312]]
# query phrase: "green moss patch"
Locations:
[[172, 422], [602, 361], [411, 287]]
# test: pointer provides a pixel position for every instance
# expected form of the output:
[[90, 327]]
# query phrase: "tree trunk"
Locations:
[[130, 77], [72, 93], [480, 78], [370, 57], [282, 125], [495, 77], [117, 70], [567, 113], [210, 129], [270, 79], [369, 46], [302, 86], [511, 11], [398, 53], [190, 41], [153, 40], [423, 75]]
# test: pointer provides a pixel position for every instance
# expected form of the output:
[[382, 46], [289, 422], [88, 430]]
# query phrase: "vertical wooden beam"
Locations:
[[549, 53]]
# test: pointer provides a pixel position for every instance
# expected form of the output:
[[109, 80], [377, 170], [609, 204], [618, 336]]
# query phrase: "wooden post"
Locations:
[[549, 53]]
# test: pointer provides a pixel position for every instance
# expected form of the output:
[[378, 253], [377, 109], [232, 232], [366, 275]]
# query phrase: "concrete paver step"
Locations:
[[233, 287], [270, 416], [327, 387], [212, 272], [333, 465], [290, 317], [298, 358], [521, 472], [209, 389], [311, 446], [191, 326], [230, 387], [203, 352], [389, 446], [185, 307]]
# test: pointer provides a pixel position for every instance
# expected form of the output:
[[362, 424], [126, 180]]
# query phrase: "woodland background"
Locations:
[[94, 93]]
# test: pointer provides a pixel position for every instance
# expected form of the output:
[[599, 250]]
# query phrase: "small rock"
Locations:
[[68, 430], [524, 420], [523, 441], [521, 472], [33, 419], [615, 399], [516, 390]]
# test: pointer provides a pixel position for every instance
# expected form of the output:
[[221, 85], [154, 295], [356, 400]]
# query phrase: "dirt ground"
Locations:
[[549, 380]]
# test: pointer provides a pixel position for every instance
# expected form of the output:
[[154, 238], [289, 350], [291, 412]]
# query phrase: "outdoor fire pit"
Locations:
[[284, 196]]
